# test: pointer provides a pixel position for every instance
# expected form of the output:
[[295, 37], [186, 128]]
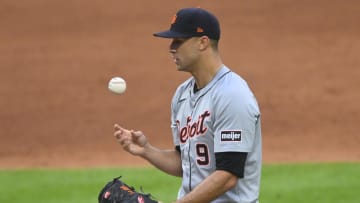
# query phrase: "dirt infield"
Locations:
[[301, 58]]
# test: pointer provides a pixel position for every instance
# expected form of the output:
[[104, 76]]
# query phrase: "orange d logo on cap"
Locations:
[[173, 20]]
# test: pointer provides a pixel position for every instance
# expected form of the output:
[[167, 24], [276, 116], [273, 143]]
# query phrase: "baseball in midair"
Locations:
[[117, 85]]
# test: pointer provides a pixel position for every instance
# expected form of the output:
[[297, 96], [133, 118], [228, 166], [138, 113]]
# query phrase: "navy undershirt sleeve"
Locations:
[[233, 162], [177, 148]]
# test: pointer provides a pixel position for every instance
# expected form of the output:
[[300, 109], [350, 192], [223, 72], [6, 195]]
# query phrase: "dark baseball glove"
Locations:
[[117, 191]]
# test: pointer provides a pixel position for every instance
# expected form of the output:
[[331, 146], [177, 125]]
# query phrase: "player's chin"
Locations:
[[181, 68]]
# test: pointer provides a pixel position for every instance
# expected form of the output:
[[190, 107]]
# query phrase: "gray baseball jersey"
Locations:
[[221, 117]]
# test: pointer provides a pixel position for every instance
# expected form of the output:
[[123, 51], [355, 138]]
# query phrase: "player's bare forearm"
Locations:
[[212, 187], [168, 161]]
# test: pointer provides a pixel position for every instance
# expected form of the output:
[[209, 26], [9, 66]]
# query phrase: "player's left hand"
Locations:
[[119, 192], [132, 141]]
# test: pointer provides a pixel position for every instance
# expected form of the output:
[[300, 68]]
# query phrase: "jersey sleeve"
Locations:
[[235, 117], [174, 126]]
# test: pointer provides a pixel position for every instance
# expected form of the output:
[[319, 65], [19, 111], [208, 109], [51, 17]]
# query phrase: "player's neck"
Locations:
[[206, 67], [203, 75]]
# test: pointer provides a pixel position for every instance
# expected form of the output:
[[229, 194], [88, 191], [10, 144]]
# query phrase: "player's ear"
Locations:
[[204, 43]]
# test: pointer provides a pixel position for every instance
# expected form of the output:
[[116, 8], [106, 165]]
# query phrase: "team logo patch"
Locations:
[[173, 19], [231, 136], [107, 194], [140, 199]]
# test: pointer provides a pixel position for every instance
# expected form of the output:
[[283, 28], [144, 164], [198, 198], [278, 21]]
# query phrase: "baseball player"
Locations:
[[215, 120]]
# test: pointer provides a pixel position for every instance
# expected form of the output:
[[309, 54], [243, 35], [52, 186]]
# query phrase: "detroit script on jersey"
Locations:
[[193, 128]]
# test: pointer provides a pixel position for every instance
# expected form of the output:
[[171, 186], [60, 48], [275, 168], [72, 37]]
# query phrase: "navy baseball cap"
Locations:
[[192, 22]]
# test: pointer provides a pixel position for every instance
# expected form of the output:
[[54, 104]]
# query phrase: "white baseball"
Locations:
[[117, 85]]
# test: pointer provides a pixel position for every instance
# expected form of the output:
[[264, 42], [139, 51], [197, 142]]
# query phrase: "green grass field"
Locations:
[[295, 183]]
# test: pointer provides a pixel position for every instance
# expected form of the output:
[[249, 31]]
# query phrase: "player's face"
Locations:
[[184, 53]]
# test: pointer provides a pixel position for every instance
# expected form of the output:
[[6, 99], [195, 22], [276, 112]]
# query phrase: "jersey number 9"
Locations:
[[202, 154]]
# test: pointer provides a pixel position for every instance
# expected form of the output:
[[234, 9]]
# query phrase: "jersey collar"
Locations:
[[221, 72]]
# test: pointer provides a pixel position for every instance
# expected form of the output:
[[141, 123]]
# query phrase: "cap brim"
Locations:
[[171, 34]]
